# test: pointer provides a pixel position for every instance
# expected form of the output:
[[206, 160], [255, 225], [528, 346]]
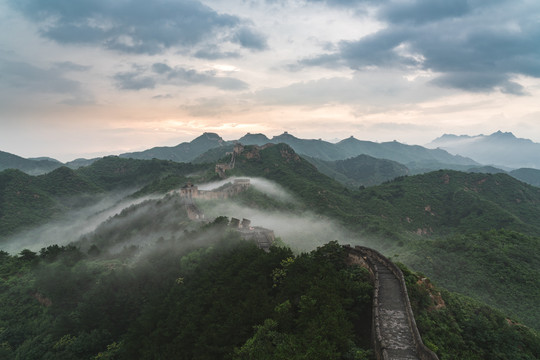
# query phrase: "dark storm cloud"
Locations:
[[423, 11], [163, 74], [250, 39], [478, 82], [132, 26], [474, 45]]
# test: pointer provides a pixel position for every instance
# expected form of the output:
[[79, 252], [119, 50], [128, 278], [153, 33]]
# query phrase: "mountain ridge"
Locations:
[[497, 149]]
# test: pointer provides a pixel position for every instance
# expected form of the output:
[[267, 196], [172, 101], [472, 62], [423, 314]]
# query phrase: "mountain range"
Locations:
[[340, 160], [501, 149]]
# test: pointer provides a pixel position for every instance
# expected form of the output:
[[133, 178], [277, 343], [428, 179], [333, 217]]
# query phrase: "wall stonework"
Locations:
[[374, 261]]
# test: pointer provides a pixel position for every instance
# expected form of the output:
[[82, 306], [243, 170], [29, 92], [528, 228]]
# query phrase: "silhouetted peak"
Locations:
[[503, 135], [207, 136], [285, 135]]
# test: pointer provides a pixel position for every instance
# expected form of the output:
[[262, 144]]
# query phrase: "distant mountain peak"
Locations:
[[208, 136], [503, 135], [285, 135], [501, 149], [254, 139]]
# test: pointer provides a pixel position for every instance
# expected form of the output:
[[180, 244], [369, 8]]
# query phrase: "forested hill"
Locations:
[[27, 201], [361, 170], [436, 203], [230, 300], [30, 166], [448, 201]]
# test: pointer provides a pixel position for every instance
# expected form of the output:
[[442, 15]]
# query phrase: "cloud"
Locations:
[[369, 89], [344, 3], [163, 74], [133, 81], [472, 45], [478, 82], [166, 96], [423, 11], [29, 79], [213, 54], [130, 26], [71, 66], [250, 39]]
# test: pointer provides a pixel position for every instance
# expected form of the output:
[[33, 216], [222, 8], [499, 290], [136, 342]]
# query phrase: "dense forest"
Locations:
[[228, 300]]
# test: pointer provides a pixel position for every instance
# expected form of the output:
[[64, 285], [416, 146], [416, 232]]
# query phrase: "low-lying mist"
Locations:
[[265, 186], [71, 226], [117, 222], [302, 232]]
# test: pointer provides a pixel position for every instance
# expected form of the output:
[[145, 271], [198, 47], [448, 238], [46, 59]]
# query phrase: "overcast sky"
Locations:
[[90, 77]]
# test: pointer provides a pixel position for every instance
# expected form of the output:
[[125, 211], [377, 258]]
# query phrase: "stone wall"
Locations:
[[368, 256]]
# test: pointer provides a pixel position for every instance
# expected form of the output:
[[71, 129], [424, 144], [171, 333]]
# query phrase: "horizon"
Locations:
[[81, 79], [270, 137]]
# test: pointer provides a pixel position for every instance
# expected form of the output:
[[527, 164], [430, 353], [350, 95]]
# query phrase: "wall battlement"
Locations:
[[189, 191], [264, 238]]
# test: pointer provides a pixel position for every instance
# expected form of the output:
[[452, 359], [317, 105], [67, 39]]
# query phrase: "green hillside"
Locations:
[[529, 176], [500, 268], [362, 170], [29, 166], [213, 155], [225, 300], [444, 202], [27, 201], [435, 203], [23, 202], [114, 172], [281, 164]]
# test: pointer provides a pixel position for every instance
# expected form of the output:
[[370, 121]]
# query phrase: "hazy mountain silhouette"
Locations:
[[30, 166], [499, 149], [184, 152]]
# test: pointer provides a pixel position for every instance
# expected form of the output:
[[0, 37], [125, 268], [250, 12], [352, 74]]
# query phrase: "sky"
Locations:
[[87, 78]]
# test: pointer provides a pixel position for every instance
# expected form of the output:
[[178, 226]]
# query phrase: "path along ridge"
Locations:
[[395, 335]]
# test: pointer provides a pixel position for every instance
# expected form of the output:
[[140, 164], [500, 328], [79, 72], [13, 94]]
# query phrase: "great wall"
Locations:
[[394, 332], [264, 238]]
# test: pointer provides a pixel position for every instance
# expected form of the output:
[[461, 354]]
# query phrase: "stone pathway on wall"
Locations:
[[394, 326]]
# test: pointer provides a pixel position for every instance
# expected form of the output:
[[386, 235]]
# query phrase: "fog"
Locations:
[[71, 226], [302, 232], [116, 222], [260, 184]]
